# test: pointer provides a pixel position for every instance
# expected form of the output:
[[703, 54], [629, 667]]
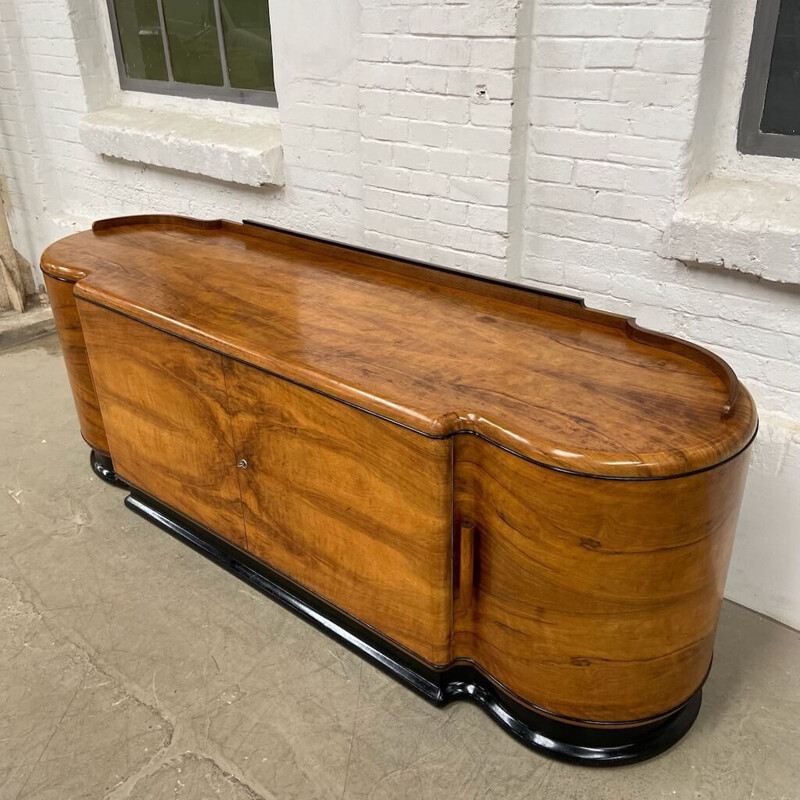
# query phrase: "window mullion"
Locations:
[[221, 38], [165, 41]]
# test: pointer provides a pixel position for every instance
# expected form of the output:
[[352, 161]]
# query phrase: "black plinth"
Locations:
[[103, 467]]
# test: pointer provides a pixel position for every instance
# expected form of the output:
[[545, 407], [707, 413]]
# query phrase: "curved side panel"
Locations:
[[70, 334], [593, 600]]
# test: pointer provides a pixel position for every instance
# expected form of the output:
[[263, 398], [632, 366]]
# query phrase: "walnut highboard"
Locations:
[[491, 492]]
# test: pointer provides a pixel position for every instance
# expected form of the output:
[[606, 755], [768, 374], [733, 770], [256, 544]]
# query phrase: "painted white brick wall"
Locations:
[[436, 95], [547, 141]]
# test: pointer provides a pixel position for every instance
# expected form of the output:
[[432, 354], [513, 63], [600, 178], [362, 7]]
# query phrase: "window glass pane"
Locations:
[[782, 101], [248, 45], [140, 39], [193, 41]]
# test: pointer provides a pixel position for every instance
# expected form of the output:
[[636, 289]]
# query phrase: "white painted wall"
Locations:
[[548, 141]]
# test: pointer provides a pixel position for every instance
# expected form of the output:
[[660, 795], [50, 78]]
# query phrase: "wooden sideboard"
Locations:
[[491, 492]]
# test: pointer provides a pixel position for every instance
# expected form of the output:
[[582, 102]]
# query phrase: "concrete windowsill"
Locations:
[[230, 151], [749, 226]]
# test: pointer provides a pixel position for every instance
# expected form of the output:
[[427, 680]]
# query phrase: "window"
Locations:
[[769, 122], [198, 48]]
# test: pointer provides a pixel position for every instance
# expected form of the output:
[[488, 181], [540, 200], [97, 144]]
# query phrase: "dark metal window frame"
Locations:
[[176, 88], [752, 140]]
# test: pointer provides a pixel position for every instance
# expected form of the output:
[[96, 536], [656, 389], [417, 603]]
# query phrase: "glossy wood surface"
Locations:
[[554, 382], [593, 599], [348, 505], [73, 348], [165, 411]]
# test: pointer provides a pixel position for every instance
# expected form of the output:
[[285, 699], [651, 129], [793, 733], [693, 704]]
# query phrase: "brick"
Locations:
[[498, 54], [589, 21], [387, 128], [429, 133], [550, 169], [490, 193], [559, 53], [449, 52], [580, 144], [449, 109], [601, 174], [596, 84], [409, 49], [425, 79], [384, 76], [388, 177], [409, 105], [380, 199], [449, 162], [446, 210], [411, 205], [653, 88], [495, 114], [411, 156], [488, 218], [481, 140], [554, 112], [605, 53], [375, 152], [430, 183], [490, 167], [645, 151], [569, 198], [666, 56], [664, 23]]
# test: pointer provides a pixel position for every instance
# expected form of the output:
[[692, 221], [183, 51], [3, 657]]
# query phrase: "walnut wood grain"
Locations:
[[348, 505], [593, 599], [568, 387], [165, 411], [73, 348]]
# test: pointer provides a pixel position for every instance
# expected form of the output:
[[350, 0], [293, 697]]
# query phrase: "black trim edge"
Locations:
[[459, 681], [416, 263], [60, 280], [103, 467]]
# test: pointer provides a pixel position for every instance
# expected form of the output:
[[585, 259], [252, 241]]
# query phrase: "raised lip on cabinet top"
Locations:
[[709, 395]]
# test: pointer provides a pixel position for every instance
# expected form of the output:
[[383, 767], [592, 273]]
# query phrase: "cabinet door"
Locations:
[[165, 412], [592, 599], [354, 508]]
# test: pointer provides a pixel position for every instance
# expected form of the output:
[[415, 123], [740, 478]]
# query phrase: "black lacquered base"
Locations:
[[594, 746], [103, 467]]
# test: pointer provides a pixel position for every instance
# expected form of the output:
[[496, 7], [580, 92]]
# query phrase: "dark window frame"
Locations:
[[751, 139], [178, 89]]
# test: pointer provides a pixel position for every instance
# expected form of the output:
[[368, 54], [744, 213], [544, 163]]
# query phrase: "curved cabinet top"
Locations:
[[438, 351]]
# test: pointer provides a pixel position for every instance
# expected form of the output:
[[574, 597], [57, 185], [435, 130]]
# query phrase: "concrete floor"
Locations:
[[131, 667]]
